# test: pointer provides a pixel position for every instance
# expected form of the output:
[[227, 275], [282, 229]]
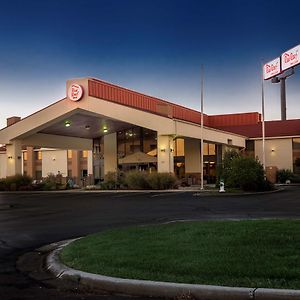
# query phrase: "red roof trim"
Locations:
[[276, 128], [110, 92]]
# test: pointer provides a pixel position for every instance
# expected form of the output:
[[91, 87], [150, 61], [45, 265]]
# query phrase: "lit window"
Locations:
[[25, 155], [179, 146], [212, 149], [69, 153], [205, 149], [84, 153], [209, 149], [38, 155]]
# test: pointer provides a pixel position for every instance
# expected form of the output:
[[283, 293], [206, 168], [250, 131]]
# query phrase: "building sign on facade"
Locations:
[[290, 58], [272, 68], [75, 92]]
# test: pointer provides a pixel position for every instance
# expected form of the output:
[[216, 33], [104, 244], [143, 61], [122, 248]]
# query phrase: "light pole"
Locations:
[[263, 122], [201, 148]]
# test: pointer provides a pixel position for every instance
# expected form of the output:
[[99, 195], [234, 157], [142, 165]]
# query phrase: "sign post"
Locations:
[[279, 69]]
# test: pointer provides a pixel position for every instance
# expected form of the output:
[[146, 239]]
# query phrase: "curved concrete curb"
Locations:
[[228, 194], [161, 289], [196, 192]]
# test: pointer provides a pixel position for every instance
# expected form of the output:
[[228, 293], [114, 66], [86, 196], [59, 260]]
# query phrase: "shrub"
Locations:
[[284, 174], [296, 179], [161, 181], [245, 173], [224, 169], [2, 185], [49, 183], [136, 180], [16, 182], [110, 180]]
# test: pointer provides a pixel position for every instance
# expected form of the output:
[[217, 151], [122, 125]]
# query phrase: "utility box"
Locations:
[[271, 173]]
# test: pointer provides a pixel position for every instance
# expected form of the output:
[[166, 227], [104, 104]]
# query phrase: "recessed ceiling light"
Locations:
[[105, 130], [67, 123], [87, 127]]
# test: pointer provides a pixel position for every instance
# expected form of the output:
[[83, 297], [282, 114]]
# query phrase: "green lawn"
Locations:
[[231, 253]]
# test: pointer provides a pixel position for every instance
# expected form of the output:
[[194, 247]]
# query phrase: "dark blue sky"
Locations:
[[155, 47]]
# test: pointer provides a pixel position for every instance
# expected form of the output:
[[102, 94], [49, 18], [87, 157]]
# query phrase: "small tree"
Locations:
[[246, 173], [224, 169]]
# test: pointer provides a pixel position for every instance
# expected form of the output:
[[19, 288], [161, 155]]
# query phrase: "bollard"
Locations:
[[222, 186]]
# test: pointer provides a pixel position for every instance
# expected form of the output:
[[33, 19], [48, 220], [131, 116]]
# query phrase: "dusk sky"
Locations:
[[154, 47]]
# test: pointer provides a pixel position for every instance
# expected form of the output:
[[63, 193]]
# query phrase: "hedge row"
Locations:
[[139, 180]]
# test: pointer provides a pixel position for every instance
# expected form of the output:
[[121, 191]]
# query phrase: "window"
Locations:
[[69, 173], [25, 156], [69, 154], [179, 147], [38, 155], [84, 154], [296, 155], [135, 139], [209, 149], [250, 148]]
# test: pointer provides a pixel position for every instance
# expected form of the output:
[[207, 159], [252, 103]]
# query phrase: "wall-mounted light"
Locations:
[[19, 157], [162, 150], [53, 158], [9, 157], [273, 150], [67, 123], [172, 150], [105, 130]]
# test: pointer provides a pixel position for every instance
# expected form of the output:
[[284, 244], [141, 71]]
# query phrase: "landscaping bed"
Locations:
[[263, 253]]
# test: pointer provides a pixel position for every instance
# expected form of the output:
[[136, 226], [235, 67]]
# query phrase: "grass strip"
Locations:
[[263, 253]]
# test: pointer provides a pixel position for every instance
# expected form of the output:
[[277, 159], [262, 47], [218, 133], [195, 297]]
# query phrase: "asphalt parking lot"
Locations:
[[30, 220]]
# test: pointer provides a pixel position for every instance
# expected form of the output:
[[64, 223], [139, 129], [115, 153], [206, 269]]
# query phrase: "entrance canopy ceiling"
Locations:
[[86, 126]]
